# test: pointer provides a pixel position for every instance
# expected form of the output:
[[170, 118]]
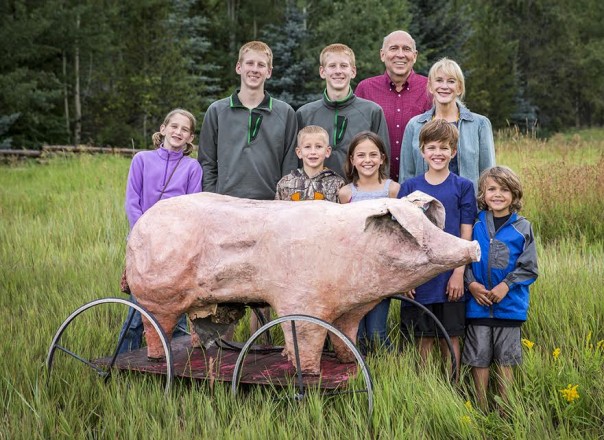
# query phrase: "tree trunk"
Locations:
[[77, 129], [66, 99]]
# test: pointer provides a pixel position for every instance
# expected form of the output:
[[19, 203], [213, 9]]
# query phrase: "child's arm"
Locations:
[[134, 186], [480, 293], [393, 190], [526, 271], [455, 286], [345, 194]]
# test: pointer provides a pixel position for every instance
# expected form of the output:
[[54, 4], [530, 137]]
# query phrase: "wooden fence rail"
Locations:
[[49, 150]]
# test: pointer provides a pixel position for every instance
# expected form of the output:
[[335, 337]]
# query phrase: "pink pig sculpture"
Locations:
[[208, 255]]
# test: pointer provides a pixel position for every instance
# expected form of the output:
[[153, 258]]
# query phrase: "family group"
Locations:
[[395, 133]]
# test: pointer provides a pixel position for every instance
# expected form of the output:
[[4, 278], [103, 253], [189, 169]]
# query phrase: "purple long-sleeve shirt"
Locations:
[[148, 175], [399, 107]]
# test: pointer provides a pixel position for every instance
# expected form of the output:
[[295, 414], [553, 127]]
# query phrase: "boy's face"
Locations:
[[313, 149], [253, 69], [437, 155], [337, 71], [497, 197]]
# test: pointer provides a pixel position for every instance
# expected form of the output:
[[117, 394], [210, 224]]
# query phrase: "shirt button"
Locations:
[[399, 95], [397, 142], [397, 126], [398, 109], [396, 158]]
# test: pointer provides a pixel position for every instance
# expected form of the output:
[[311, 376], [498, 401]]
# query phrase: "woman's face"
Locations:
[[444, 88]]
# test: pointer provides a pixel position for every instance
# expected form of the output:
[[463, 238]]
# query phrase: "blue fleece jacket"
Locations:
[[508, 255]]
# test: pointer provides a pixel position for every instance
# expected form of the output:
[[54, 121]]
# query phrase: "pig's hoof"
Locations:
[[156, 359]]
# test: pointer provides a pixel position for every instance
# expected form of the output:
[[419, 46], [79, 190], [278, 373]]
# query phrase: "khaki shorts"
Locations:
[[484, 346]]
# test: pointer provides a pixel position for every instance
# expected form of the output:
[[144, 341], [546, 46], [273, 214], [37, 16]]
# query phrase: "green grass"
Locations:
[[62, 235]]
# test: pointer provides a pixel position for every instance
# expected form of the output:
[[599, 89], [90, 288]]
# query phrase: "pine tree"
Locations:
[[294, 79]]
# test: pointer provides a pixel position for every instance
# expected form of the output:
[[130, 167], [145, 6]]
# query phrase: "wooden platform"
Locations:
[[264, 367]]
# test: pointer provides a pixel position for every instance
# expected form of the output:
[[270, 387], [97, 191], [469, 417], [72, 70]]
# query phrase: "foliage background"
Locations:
[[105, 71]]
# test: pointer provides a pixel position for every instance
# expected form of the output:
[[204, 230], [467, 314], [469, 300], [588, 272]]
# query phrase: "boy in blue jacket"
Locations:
[[499, 281]]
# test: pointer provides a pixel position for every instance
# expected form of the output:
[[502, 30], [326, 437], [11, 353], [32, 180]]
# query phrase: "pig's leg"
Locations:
[[155, 349], [348, 324], [310, 338]]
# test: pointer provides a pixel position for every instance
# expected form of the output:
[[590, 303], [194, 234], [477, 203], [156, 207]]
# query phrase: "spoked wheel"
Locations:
[[300, 385], [105, 371], [454, 365]]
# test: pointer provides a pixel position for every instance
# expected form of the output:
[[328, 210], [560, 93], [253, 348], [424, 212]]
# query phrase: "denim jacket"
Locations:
[[475, 150]]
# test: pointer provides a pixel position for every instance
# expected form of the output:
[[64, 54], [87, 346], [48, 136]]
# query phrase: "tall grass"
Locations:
[[62, 235]]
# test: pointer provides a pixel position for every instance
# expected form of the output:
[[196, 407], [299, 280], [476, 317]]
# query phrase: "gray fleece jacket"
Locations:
[[245, 152], [343, 119]]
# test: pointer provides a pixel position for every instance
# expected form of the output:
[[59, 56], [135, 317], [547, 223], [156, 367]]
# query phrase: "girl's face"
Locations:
[[445, 88], [367, 159], [177, 133], [497, 197]]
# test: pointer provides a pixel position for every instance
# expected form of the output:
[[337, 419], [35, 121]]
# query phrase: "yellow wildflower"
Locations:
[[556, 353], [528, 344], [600, 345], [570, 393], [466, 419]]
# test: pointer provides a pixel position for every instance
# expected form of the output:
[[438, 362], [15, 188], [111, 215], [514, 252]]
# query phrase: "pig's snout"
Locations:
[[475, 251]]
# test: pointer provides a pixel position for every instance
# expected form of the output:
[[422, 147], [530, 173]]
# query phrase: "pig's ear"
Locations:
[[431, 207]]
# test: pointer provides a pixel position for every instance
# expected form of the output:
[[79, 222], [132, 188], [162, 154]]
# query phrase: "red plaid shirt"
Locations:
[[399, 107]]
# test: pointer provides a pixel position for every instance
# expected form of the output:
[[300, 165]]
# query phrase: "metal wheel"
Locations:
[[106, 373], [454, 365], [299, 395]]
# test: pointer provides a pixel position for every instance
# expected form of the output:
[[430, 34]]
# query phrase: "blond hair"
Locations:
[[505, 177], [337, 48], [258, 46], [313, 129], [158, 138]]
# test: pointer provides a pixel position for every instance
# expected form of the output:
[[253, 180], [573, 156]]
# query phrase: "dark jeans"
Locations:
[[134, 332], [373, 330]]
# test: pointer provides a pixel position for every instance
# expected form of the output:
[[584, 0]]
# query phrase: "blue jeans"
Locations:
[[134, 332], [373, 329]]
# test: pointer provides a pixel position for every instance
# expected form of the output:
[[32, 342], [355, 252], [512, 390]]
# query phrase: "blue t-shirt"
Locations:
[[457, 196]]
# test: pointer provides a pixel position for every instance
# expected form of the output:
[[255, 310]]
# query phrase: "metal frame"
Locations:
[[454, 365], [301, 392], [107, 374]]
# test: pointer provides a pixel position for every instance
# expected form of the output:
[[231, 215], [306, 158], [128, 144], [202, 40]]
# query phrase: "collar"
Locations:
[[350, 97], [266, 104], [406, 85], [167, 154], [464, 114], [325, 172]]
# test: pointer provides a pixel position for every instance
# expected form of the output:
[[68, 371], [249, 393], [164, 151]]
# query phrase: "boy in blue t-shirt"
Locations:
[[442, 295]]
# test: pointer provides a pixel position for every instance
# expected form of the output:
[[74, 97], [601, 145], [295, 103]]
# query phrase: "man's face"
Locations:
[[337, 71], [398, 55], [253, 69]]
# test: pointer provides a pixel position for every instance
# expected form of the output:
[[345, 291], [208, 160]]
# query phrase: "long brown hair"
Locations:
[[352, 175]]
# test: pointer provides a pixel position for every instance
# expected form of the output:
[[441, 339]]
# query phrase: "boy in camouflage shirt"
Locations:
[[313, 181]]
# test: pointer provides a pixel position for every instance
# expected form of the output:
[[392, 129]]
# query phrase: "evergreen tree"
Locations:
[[294, 79], [440, 29]]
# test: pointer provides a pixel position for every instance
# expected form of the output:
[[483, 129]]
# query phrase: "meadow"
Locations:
[[62, 242]]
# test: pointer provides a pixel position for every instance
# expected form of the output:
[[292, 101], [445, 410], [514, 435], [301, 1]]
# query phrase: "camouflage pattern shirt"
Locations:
[[298, 186]]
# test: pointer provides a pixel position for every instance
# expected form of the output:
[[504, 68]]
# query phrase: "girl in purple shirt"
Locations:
[[165, 172]]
